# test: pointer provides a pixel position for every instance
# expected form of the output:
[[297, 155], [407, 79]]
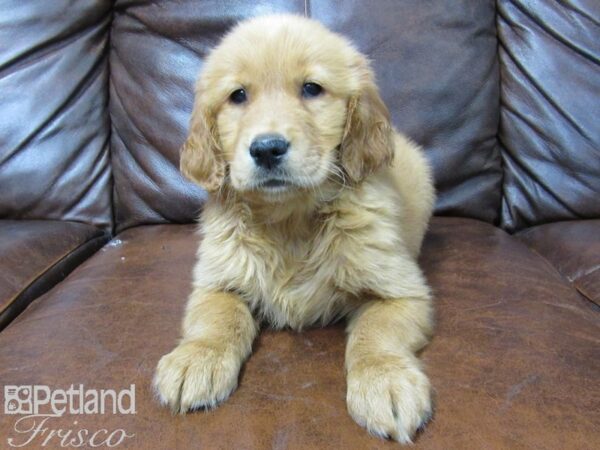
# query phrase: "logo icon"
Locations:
[[18, 400]]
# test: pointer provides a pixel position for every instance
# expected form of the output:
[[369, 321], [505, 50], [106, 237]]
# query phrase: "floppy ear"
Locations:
[[201, 157], [368, 140]]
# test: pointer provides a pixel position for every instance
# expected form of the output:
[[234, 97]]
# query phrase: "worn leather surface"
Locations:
[[35, 255], [436, 64], [515, 359], [573, 248], [550, 133], [54, 127]]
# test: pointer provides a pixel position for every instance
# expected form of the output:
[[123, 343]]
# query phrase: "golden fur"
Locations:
[[341, 240]]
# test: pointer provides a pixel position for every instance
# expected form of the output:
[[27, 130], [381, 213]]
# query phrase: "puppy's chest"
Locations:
[[289, 279], [300, 281]]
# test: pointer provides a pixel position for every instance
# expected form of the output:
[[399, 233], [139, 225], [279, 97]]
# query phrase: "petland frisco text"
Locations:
[[38, 406]]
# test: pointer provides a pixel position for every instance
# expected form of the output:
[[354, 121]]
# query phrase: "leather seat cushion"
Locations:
[[573, 248], [37, 254], [513, 360]]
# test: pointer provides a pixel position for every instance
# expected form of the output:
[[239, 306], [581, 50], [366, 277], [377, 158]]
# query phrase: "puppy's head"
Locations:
[[283, 105]]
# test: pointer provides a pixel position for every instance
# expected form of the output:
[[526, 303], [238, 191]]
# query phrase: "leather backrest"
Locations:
[[54, 125], [435, 61], [437, 67], [550, 126]]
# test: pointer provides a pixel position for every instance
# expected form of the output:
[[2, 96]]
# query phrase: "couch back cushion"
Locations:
[[550, 116], [54, 125], [436, 65]]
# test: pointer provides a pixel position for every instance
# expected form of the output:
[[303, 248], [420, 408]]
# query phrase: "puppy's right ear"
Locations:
[[201, 156]]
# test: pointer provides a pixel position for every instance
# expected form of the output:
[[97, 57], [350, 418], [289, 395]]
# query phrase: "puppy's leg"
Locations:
[[218, 331], [387, 392]]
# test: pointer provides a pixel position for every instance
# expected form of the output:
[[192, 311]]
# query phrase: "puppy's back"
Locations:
[[412, 178]]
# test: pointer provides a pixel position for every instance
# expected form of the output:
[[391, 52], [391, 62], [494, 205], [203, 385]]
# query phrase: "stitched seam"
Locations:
[[584, 295], [113, 224], [571, 283], [306, 8], [499, 216], [587, 272], [33, 279], [547, 262]]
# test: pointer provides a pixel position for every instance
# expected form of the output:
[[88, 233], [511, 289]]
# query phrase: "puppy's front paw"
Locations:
[[390, 396], [196, 375]]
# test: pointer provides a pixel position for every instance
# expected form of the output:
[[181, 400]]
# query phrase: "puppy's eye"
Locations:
[[238, 96], [310, 90]]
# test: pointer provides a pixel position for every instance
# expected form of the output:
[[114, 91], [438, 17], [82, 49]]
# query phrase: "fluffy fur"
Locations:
[[339, 239]]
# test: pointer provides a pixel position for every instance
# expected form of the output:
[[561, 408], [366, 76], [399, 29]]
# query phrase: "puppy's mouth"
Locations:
[[274, 185]]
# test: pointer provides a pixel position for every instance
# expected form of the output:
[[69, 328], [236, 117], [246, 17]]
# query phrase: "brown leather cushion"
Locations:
[[35, 255], [514, 361], [573, 248], [549, 54], [436, 65], [54, 124]]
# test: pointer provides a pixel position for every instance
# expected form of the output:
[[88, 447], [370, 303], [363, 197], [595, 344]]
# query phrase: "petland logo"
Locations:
[[38, 405]]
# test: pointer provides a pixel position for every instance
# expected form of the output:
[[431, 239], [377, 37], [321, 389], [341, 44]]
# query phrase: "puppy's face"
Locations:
[[281, 106]]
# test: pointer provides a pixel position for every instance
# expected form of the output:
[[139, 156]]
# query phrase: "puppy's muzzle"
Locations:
[[269, 150]]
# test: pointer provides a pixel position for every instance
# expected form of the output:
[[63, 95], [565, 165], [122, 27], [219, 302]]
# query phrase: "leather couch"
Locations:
[[97, 237]]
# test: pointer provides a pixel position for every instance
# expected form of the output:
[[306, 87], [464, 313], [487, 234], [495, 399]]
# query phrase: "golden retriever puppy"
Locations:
[[317, 212]]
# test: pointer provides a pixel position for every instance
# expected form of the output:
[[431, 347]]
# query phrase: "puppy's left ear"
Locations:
[[368, 140], [201, 157]]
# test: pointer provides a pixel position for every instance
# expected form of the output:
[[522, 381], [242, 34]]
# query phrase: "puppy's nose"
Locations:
[[268, 150]]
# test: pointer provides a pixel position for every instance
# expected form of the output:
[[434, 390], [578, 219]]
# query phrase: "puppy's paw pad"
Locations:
[[195, 376], [391, 399]]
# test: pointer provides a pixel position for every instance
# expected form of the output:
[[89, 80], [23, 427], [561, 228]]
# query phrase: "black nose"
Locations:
[[268, 150]]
